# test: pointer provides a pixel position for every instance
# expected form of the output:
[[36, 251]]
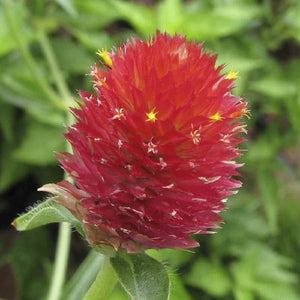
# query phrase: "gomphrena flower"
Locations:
[[153, 146]]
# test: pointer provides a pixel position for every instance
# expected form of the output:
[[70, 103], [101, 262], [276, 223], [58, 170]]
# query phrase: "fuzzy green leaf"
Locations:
[[142, 277], [45, 213]]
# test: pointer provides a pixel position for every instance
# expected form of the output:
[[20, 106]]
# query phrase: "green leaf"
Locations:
[[176, 258], [240, 13], [95, 13], [118, 294], [209, 276], [263, 149], [7, 118], [170, 16], [178, 290], [210, 24], [31, 254], [19, 89], [293, 21], [68, 6], [264, 273], [274, 87], [142, 277], [18, 12], [242, 294], [67, 52], [143, 19], [11, 171], [39, 143], [275, 291], [270, 197], [238, 53], [45, 213], [93, 39]]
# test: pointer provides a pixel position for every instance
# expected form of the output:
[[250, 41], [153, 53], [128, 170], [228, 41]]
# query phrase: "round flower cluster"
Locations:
[[153, 146]]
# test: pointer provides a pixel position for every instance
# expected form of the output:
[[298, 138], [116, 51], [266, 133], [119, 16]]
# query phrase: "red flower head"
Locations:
[[153, 146]]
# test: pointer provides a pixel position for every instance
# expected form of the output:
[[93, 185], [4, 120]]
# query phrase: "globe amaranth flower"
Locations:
[[153, 146]]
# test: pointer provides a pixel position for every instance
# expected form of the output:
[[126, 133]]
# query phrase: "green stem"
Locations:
[[104, 283], [52, 96], [57, 76], [63, 247], [83, 277], [61, 260]]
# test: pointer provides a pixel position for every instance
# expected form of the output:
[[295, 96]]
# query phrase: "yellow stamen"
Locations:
[[151, 116], [232, 75], [101, 82], [246, 112], [105, 56], [243, 112], [149, 42], [216, 117]]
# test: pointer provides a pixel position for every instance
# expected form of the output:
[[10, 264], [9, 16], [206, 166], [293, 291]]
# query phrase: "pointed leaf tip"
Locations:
[[14, 223], [45, 213]]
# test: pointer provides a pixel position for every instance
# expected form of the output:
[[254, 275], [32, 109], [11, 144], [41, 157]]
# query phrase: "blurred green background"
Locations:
[[47, 47]]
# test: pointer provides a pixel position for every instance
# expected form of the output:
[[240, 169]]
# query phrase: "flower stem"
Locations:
[[64, 233], [104, 283], [83, 277], [22, 45], [61, 259]]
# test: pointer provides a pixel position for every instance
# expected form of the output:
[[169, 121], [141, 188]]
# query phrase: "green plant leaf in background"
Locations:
[[68, 6], [19, 89], [170, 14], [142, 277], [30, 257], [7, 42], [95, 14], [223, 20], [143, 19], [275, 87], [263, 272], [39, 143], [11, 170], [270, 197], [210, 276], [176, 258], [67, 52], [7, 118]]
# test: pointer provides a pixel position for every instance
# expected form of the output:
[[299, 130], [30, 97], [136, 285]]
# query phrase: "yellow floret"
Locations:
[[232, 75], [151, 116], [216, 117], [105, 56]]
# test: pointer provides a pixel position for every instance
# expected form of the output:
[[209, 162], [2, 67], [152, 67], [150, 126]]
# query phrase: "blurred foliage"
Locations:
[[47, 47]]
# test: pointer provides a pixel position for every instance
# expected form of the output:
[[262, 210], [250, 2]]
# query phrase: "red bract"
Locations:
[[153, 146]]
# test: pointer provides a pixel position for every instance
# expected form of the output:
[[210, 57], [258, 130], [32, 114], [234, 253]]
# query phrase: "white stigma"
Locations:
[[152, 147], [195, 134], [119, 114], [120, 143], [162, 163]]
